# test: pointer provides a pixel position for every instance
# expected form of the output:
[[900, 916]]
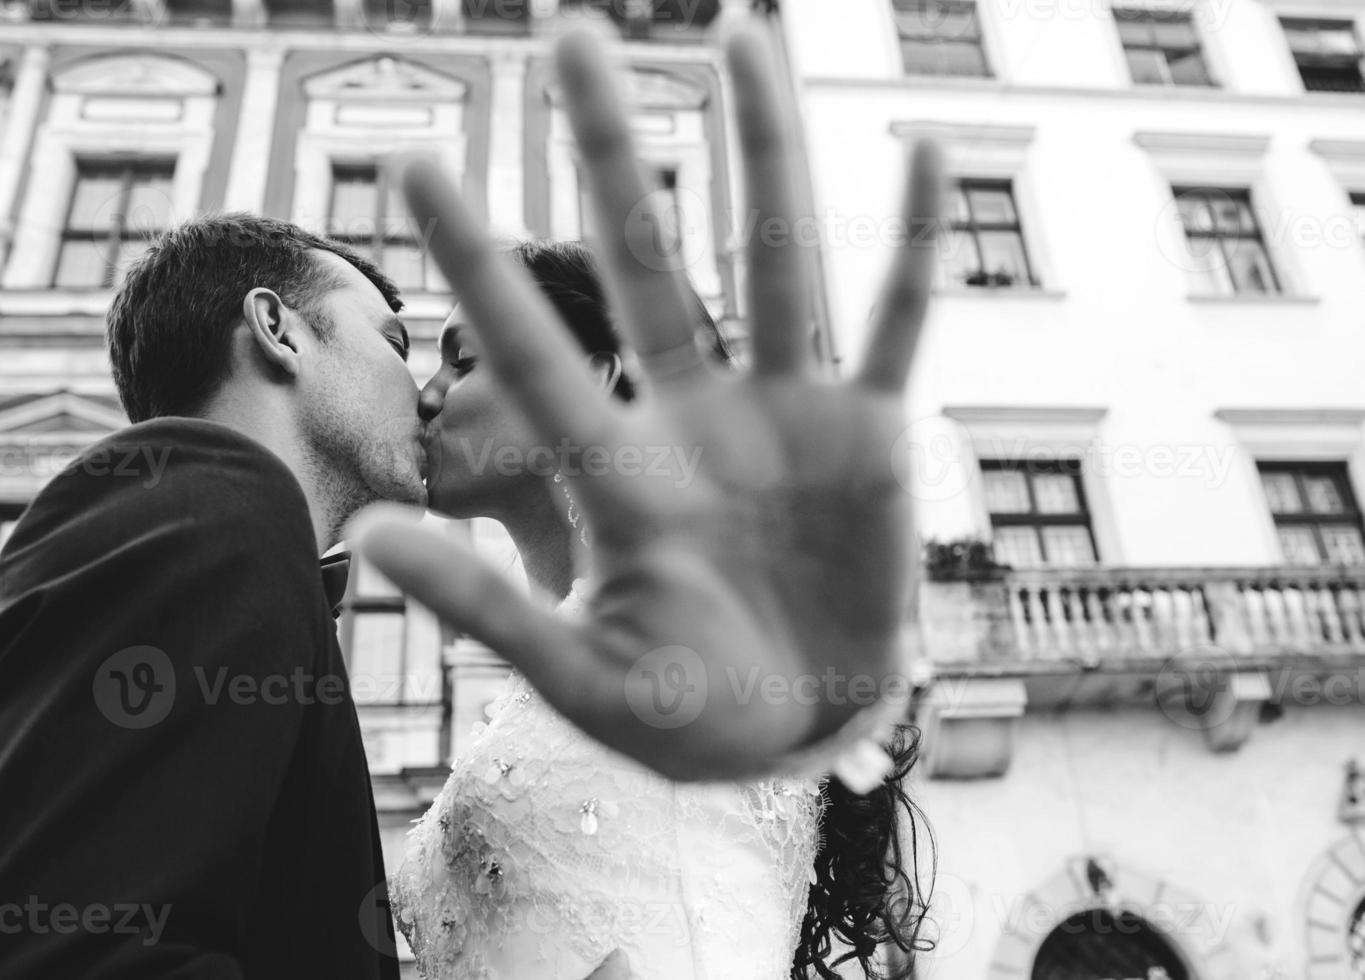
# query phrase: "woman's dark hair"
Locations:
[[566, 273], [866, 892]]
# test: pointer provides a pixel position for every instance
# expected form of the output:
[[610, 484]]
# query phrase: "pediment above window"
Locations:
[[59, 413], [645, 88], [386, 79], [144, 75]]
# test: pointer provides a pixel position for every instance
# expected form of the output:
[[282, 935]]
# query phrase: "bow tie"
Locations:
[[335, 569]]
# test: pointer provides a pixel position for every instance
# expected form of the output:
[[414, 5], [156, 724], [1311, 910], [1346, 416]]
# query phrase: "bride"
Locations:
[[546, 851]]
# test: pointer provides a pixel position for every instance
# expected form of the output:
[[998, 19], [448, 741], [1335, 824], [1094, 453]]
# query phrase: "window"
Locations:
[[1228, 255], [367, 212], [205, 13], [1358, 210], [373, 636], [496, 16], [940, 37], [1038, 512], [115, 211], [1315, 512], [398, 15], [1162, 48], [300, 13], [984, 244], [1327, 53], [644, 19], [1355, 942], [1101, 943]]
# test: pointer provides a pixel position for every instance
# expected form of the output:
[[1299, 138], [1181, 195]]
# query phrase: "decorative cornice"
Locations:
[[1037, 414], [1347, 151], [1291, 416], [138, 74], [385, 79], [976, 133], [649, 88], [1223, 144]]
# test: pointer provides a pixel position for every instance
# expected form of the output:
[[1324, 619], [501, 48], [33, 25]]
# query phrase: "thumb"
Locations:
[[614, 967], [463, 590]]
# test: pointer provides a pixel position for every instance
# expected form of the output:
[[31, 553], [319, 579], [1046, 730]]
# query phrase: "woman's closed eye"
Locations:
[[463, 365]]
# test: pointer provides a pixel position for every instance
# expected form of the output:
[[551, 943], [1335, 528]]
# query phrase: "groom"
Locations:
[[185, 788]]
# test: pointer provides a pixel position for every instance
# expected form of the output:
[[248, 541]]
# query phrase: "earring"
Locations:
[[573, 515]]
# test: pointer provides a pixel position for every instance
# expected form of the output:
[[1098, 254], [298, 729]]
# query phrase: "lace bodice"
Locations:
[[545, 851]]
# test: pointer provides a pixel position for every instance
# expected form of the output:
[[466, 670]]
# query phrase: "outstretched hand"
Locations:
[[740, 601]]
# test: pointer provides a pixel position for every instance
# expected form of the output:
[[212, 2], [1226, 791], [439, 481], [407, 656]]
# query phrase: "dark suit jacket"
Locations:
[[183, 787]]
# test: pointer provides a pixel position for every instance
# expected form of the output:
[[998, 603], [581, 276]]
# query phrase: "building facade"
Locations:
[[1140, 383], [120, 118]]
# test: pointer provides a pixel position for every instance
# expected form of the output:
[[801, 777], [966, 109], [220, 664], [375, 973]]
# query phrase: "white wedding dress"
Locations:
[[545, 851]]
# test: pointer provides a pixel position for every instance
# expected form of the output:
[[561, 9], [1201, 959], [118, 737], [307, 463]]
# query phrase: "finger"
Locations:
[[641, 266], [900, 312], [466, 592], [779, 280], [524, 343]]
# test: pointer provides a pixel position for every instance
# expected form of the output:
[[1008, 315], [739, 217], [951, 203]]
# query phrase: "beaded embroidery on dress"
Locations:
[[545, 851]]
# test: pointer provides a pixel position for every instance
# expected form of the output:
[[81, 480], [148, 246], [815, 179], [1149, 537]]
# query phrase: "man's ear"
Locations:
[[606, 368], [274, 328]]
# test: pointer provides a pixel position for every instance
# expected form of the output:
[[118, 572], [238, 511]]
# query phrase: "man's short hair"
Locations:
[[170, 327]]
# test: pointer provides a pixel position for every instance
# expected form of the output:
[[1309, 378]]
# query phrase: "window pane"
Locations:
[[1146, 66], [1324, 497], [82, 264], [404, 265], [95, 201], [1298, 546], [1233, 215], [149, 203], [1018, 547], [397, 222], [1209, 267], [963, 58], [1249, 266], [1002, 256], [1338, 39], [1343, 544], [957, 205], [1188, 68], [1055, 493], [1282, 493], [1174, 32], [375, 663], [1006, 491], [355, 204], [1196, 212], [1068, 546], [1134, 30], [961, 261], [992, 205]]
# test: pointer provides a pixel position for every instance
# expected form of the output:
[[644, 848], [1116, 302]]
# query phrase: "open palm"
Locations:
[[751, 548]]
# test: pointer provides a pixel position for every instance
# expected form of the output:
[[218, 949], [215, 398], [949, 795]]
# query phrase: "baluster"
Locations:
[[1101, 629], [1182, 617], [1276, 618], [1297, 616], [1142, 618], [1349, 597], [1081, 628], [1164, 619], [1023, 635], [1038, 614], [1064, 637], [1253, 597], [1327, 607], [1200, 625]]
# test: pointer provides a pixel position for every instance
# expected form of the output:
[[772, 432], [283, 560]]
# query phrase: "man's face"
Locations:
[[360, 402]]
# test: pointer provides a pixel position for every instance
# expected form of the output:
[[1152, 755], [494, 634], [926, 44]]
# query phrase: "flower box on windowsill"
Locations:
[[962, 560]]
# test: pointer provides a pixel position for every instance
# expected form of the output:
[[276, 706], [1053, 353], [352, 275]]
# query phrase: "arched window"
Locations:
[[1097, 944], [1355, 942]]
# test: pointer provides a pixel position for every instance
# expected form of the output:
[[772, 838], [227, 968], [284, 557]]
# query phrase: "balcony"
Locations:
[[1214, 649]]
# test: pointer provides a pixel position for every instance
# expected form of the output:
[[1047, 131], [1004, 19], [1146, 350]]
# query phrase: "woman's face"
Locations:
[[479, 446]]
